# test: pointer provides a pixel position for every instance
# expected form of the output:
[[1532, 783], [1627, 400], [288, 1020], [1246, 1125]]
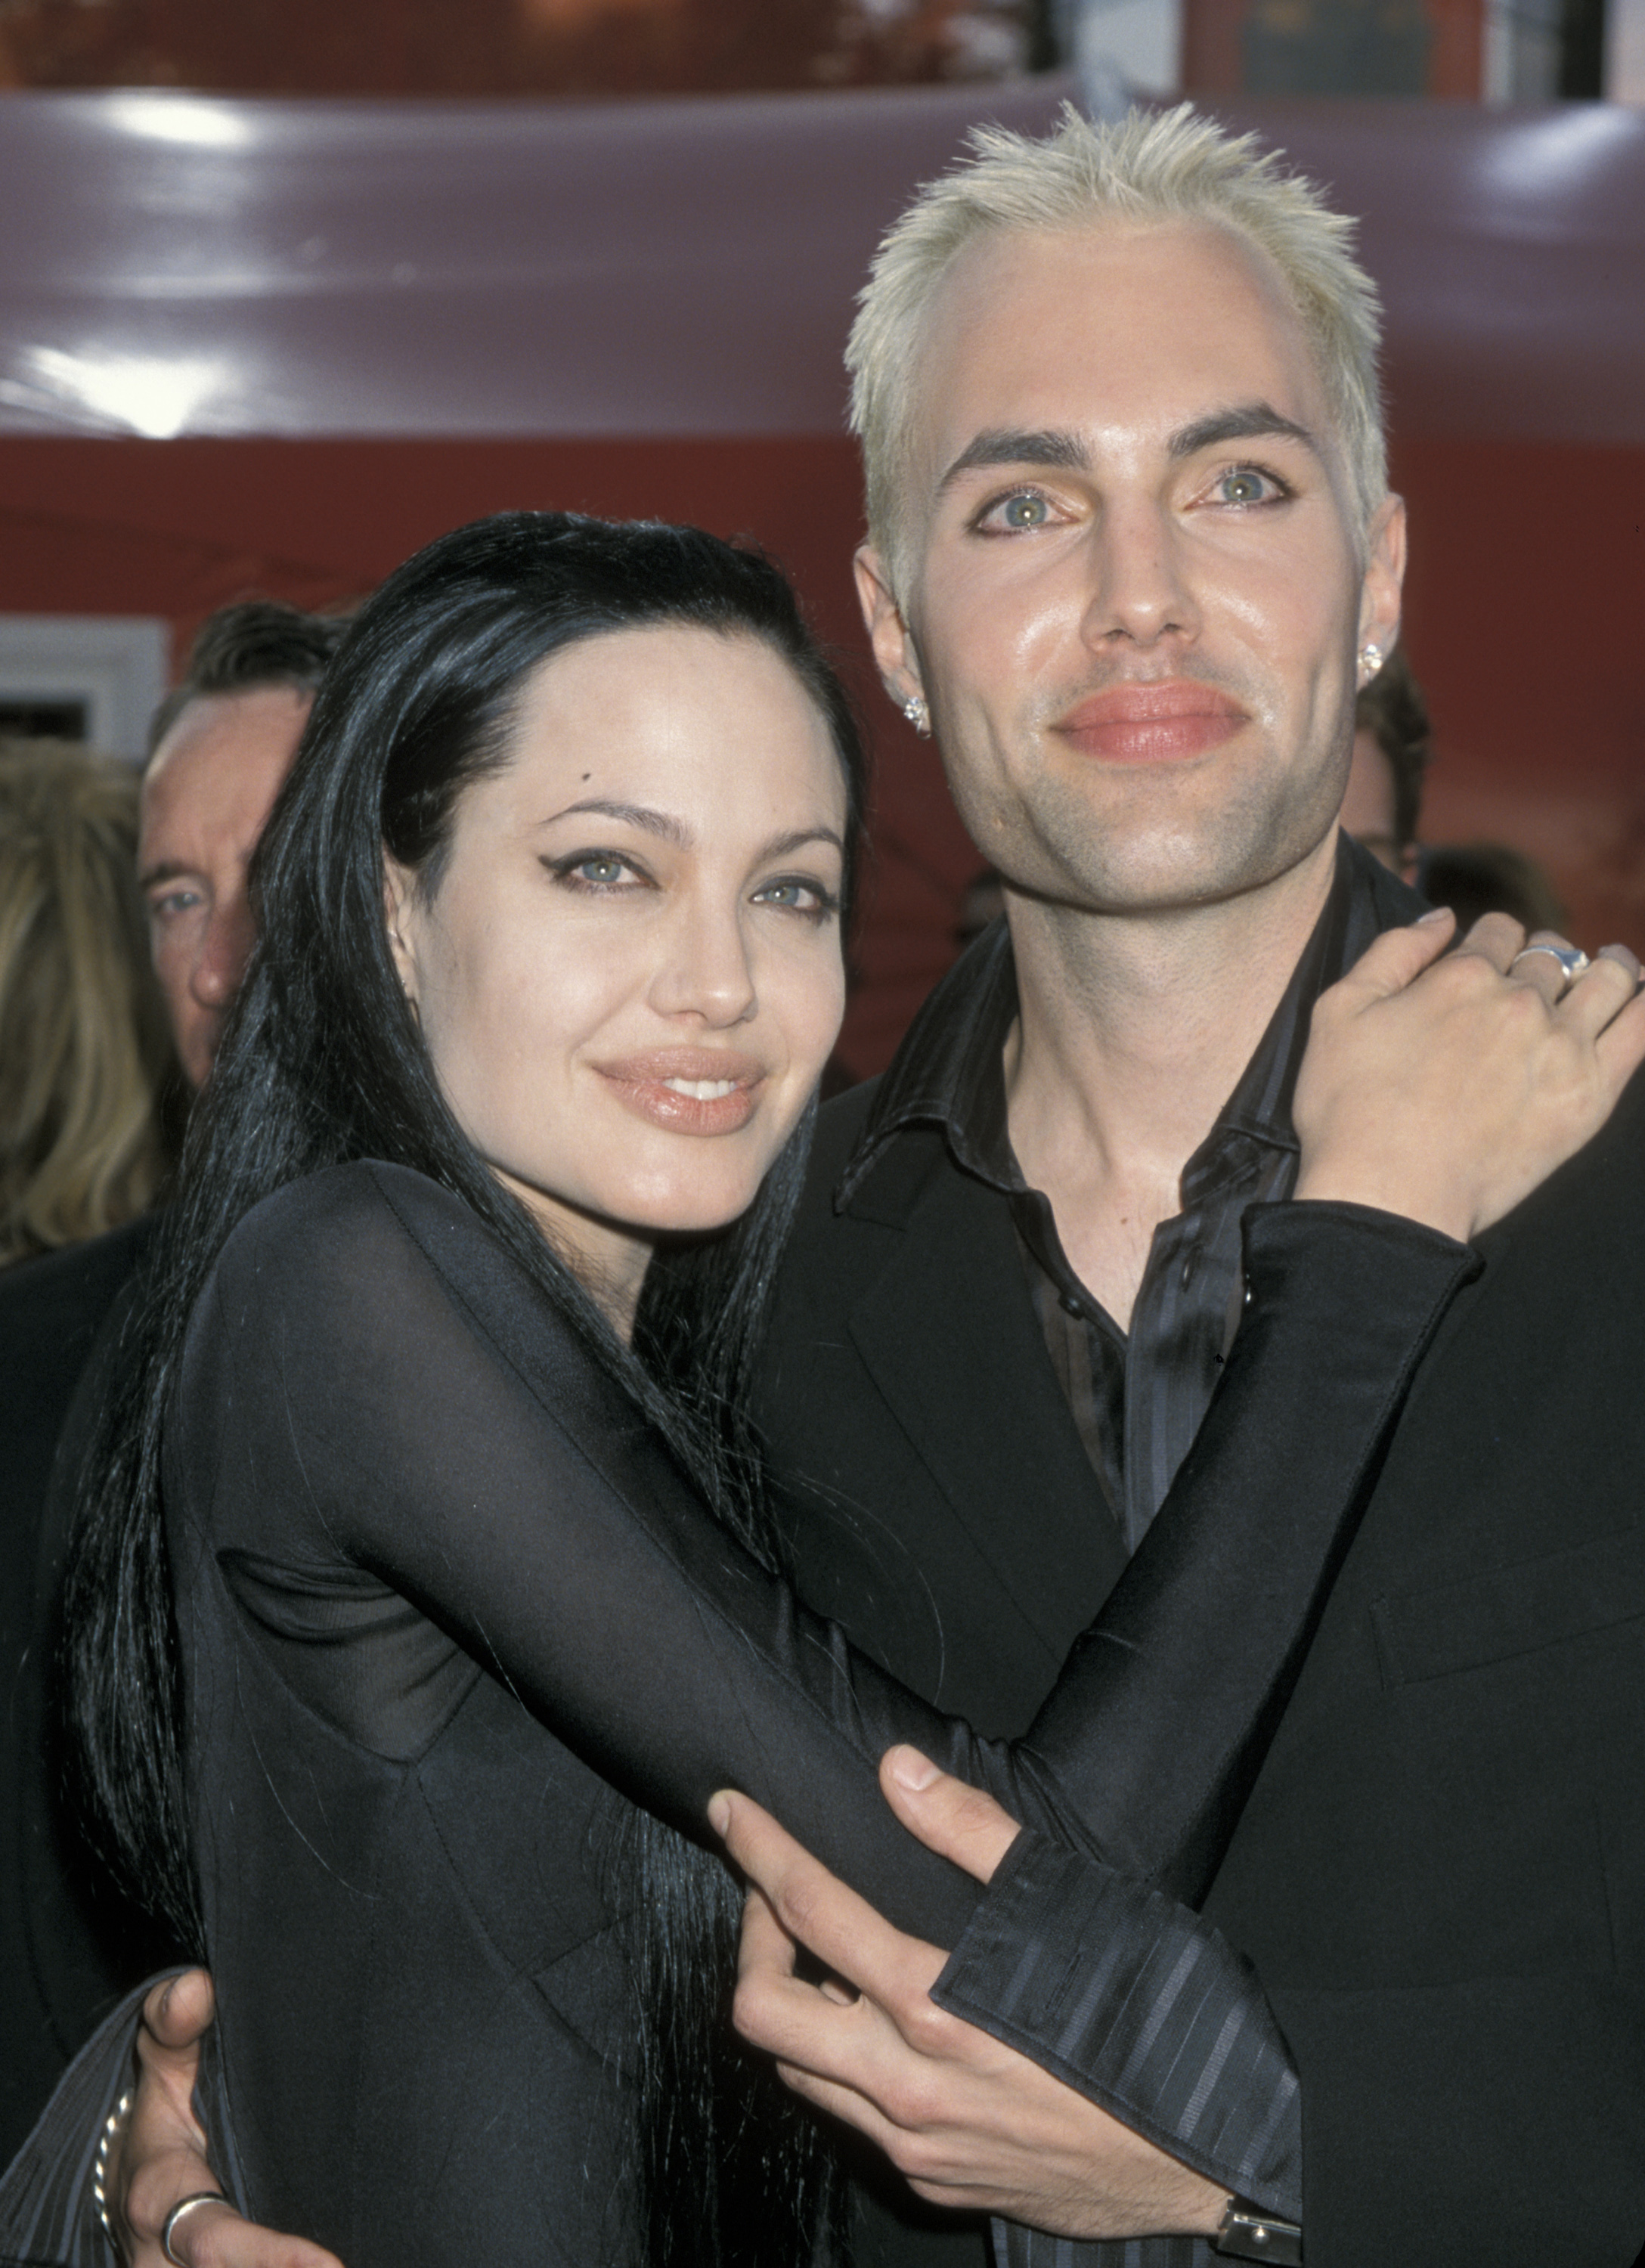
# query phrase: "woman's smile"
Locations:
[[688, 1090]]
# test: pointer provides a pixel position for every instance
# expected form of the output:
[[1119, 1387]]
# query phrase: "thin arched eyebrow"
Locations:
[[670, 830], [661, 823]]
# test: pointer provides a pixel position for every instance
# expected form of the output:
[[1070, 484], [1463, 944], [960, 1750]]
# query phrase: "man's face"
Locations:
[[1135, 589], [206, 796]]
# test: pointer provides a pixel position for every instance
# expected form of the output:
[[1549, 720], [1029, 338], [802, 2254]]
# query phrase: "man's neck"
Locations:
[[1132, 1032]]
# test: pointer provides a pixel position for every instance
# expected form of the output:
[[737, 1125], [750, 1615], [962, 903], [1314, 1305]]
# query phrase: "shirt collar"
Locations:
[[948, 1071]]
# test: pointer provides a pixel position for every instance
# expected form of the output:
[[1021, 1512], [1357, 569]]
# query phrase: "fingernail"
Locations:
[[911, 1770], [720, 1813], [1434, 914]]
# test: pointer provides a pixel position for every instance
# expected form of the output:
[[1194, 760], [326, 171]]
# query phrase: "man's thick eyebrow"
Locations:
[[1006, 446], [633, 814], [1249, 421]]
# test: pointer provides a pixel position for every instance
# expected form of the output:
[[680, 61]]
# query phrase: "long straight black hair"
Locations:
[[322, 1064]]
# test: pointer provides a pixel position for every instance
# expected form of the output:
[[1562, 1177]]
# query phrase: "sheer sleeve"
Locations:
[[393, 1398]]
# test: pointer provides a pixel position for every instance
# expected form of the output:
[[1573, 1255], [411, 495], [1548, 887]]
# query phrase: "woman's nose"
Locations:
[[707, 971]]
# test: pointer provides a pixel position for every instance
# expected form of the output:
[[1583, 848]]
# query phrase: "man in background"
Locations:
[[220, 747]]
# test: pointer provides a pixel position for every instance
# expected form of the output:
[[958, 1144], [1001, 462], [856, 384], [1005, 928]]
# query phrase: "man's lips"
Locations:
[[1151, 724], [687, 1090]]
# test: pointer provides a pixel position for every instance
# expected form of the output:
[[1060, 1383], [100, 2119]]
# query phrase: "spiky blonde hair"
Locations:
[[1145, 167]]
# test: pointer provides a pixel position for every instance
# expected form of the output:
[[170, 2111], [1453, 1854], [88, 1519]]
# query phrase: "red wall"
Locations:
[[1524, 617]]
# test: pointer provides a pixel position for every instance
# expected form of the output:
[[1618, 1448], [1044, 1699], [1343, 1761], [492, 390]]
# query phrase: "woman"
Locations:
[[84, 1049], [437, 1421]]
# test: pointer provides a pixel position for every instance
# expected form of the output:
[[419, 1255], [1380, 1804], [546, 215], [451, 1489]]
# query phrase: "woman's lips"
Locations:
[[687, 1090], [1151, 724]]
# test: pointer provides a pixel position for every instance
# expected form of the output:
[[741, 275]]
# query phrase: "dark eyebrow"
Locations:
[[781, 845], [635, 814], [1005, 446], [168, 869], [1249, 421]]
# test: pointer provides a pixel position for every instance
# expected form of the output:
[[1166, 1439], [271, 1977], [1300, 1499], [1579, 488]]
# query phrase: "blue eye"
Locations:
[[1246, 485], [599, 873], [794, 894], [1027, 510]]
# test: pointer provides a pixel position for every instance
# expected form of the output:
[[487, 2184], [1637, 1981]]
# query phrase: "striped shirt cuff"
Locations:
[[1141, 2007]]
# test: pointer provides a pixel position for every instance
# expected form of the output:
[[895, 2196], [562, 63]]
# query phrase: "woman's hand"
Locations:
[[160, 2157], [1447, 1089]]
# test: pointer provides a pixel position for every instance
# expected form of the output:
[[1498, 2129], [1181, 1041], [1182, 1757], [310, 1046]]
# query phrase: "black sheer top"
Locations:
[[448, 1606]]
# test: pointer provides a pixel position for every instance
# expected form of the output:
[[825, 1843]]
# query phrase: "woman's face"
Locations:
[[629, 976]]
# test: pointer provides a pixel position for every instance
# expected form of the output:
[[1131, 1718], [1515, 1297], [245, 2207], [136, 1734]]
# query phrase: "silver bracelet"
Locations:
[[183, 2206], [112, 2126]]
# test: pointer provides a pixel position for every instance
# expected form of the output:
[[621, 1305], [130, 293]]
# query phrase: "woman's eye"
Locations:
[[794, 896], [595, 870], [1024, 510]]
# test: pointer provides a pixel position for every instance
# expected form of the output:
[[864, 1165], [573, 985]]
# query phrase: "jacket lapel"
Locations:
[[949, 1336]]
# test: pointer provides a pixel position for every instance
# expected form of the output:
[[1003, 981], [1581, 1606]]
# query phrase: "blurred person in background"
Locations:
[[1489, 878], [219, 748], [1382, 810], [1391, 748], [84, 1048]]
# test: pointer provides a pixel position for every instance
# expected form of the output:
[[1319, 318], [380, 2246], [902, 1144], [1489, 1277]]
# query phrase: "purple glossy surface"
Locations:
[[192, 265]]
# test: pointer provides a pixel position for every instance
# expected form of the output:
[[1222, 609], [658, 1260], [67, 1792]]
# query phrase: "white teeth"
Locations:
[[702, 1090]]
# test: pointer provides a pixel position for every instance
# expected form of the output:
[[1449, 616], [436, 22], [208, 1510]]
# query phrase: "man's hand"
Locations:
[[160, 2156], [970, 2124]]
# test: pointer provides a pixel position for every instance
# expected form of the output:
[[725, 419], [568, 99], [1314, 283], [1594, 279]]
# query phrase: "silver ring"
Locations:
[[183, 2206], [1571, 959]]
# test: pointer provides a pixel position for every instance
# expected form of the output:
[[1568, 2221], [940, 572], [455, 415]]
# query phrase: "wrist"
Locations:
[[1446, 1209]]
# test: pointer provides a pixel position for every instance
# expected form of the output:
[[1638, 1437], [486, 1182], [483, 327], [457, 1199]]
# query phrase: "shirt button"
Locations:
[[1070, 1304]]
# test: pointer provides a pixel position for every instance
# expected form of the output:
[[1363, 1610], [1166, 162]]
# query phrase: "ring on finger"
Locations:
[[1572, 959], [186, 2205]]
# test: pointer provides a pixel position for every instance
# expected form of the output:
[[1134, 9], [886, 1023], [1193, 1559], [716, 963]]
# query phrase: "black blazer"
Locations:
[[1441, 1874]]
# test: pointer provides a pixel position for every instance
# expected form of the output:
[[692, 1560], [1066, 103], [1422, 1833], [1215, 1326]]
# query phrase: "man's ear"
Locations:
[[1384, 576], [888, 633], [399, 908]]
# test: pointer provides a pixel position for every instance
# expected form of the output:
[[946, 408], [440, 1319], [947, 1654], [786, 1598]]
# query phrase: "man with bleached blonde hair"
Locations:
[[1130, 551]]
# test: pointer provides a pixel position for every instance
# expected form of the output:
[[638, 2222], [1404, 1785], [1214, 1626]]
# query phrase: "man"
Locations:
[[220, 746], [1383, 805], [219, 749], [1131, 546], [1128, 532]]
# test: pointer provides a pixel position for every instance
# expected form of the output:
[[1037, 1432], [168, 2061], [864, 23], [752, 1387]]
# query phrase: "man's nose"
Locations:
[[224, 949], [1139, 591], [707, 972]]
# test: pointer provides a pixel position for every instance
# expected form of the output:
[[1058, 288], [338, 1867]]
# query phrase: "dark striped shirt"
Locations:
[[1130, 1998]]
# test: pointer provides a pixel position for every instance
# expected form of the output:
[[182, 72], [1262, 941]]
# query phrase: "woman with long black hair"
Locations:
[[426, 1591]]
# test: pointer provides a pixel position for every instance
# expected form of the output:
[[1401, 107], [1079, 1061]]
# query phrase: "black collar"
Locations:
[[949, 1073]]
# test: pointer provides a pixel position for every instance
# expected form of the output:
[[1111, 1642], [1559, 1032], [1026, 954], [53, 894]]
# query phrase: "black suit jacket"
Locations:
[[1441, 1874]]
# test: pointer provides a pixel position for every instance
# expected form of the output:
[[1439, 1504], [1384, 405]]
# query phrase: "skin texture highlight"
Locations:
[[629, 976]]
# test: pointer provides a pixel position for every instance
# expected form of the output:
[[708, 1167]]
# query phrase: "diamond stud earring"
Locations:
[[1371, 659], [917, 713]]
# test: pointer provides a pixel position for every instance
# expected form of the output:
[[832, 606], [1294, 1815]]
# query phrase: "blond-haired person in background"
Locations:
[[84, 1045]]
